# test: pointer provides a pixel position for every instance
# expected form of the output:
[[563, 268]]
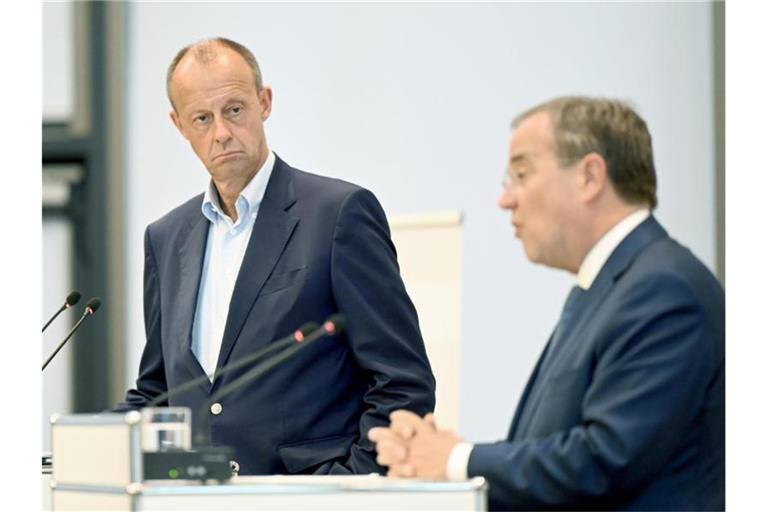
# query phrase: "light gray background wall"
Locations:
[[414, 102], [58, 62]]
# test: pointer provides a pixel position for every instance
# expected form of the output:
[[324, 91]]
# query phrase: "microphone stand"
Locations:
[[332, 326], [90, 309], [278, 345]]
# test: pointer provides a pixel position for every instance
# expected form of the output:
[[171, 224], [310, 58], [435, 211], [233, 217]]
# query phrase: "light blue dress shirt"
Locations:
[[224, 251]]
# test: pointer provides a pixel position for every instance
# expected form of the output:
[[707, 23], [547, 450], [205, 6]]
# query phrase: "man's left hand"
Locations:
[[428, 448]]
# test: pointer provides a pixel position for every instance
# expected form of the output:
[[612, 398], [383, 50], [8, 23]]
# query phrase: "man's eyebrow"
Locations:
[[516, 159], [235, 99]]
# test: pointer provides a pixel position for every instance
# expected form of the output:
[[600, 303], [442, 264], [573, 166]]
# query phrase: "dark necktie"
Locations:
[[567, 318], [529, 402]]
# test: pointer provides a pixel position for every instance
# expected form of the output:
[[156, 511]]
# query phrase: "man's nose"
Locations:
[[508, 199], [221, 133]]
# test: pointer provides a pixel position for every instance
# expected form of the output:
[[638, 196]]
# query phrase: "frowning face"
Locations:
[[220, 112]]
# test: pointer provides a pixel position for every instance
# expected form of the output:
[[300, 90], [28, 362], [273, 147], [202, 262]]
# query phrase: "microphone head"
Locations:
[[72, 299], [93, 304], [305, 329], [335, 324]]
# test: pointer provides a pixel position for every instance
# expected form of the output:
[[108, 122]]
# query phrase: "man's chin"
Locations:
[[530, 253], [228, 169]]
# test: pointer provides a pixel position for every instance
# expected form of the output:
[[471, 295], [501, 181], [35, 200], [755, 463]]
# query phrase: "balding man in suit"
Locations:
[[264, 249]]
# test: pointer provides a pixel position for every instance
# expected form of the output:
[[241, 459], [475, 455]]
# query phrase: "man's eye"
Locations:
[[236, 110], [201, 118], [519, 175]]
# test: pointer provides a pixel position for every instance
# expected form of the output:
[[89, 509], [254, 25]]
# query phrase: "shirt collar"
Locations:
[[602, 250], [250, 197]]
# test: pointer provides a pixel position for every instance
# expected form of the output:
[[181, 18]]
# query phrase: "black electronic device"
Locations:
[[202, 463]]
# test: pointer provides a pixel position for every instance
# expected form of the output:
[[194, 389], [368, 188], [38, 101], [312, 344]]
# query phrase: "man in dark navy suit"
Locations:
[[625, 409], [264, 250]]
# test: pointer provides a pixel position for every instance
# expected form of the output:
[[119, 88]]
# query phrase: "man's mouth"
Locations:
[[227, 154]]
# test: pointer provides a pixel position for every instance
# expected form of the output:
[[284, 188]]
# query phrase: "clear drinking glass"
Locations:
[[166, 429]]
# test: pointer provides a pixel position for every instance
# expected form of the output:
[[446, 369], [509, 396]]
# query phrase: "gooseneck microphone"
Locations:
[[72, 299], [214, 461], [333, 325], [90, 308], [280, 344]]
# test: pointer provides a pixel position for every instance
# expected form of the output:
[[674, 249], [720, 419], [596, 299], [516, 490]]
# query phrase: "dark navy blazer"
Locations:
[[319, 246], [629, 414]]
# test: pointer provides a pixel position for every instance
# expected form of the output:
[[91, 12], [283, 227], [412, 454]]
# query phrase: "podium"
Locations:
[[279, 492], [98, 465]]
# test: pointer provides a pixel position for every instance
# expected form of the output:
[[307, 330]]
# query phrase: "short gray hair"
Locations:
[[205, 52], [610, 128]]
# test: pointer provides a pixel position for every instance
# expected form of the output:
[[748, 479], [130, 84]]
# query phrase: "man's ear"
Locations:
[[177, 122], [265, 100], [594, 174]]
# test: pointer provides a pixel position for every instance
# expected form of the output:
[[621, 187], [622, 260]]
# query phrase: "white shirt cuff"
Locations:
[[458, 461]]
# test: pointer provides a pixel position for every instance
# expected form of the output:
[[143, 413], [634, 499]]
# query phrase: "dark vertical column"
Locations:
[[116, 78], [91, 350], [93, 140]]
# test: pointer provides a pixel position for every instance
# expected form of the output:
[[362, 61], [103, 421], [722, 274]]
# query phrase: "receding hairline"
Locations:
[[205, 52], [541, 108], [607, 126]]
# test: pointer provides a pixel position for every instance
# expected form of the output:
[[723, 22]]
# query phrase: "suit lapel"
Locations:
[[543, 371], [191, 255], [271, 232], [521, 405], [619, 261]]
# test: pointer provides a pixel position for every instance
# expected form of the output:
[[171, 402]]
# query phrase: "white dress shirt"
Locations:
[[458, 461], [224, 251]]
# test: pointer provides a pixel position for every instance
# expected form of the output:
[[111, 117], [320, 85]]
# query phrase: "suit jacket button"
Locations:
[[216, 408]]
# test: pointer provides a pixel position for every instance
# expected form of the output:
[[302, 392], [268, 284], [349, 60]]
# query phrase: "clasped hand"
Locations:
[[413, 446]]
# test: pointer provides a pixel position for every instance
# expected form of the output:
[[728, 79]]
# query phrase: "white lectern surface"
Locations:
[[280, 492], [98, 465]]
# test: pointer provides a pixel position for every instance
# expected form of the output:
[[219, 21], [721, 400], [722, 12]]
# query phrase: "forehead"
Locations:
[[227, 72], [534, 135]]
